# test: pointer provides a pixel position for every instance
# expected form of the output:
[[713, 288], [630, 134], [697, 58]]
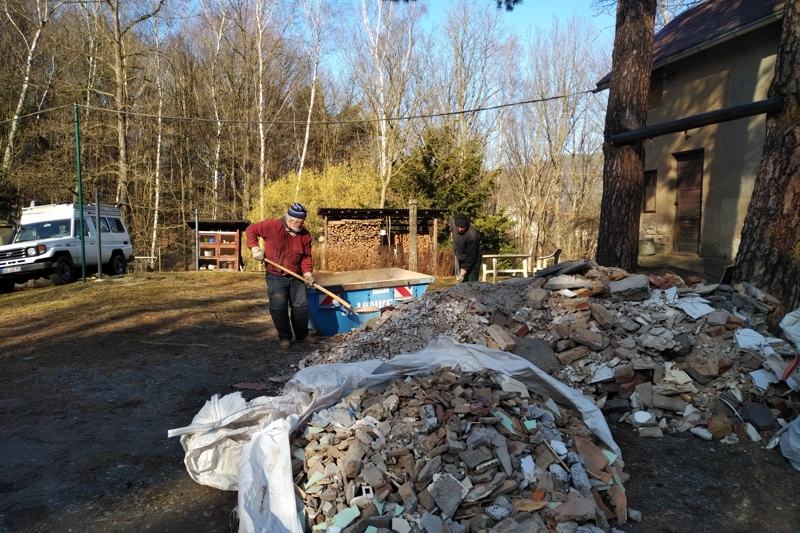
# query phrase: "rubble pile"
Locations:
[[659, 352], [673, 362], [455, 452], [410, 327], [464, 313]]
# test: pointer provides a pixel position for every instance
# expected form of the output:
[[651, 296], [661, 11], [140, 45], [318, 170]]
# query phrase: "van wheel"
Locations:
[[116, 266], [65, 271], [6, 285]]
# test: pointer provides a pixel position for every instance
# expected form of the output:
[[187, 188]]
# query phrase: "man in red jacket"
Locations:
[[288, 243]]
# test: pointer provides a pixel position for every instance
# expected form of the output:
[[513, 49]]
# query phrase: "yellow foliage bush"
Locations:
[[347, 185]]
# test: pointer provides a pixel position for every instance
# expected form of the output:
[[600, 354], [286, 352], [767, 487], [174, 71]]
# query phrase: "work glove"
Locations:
[[258, 255], [461, 274], [309, 278]]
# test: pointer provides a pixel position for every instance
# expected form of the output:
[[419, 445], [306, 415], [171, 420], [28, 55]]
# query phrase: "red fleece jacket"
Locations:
[[292, 252]]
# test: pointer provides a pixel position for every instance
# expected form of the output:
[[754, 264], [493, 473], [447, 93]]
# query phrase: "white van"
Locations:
[[47, 243]]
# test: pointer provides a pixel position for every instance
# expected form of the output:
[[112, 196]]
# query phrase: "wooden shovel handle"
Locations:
[[791, 368], [304, 280]]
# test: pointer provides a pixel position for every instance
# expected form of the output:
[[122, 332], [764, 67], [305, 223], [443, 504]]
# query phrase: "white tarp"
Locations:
[[790, 441], [233, 444], [791, 327]]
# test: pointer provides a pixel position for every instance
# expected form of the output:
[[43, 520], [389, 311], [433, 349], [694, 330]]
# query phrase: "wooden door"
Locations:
[[689, 202]]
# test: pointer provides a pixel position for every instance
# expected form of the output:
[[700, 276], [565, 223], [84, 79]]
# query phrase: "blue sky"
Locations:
[[538, 13], [541, 12]]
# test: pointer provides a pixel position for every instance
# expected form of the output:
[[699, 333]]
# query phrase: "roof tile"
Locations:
[[706, 23]]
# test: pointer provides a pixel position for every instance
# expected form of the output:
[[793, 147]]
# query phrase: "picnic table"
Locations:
[[541, 262], [512, 257]]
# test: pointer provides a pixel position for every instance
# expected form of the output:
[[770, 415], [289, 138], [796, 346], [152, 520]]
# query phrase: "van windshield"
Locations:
[[51, 229]]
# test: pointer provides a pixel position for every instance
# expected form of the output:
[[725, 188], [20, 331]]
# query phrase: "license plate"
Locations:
[[9, 270]]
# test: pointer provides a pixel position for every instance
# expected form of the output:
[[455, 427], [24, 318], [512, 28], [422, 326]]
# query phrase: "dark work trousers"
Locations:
[[285, 292], [474, 274]]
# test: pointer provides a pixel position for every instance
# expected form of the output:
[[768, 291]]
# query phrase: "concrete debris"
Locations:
[[631, 288], [493, 459], [633, 343]]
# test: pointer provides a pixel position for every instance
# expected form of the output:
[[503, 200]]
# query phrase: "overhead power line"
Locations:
[[323, 122], [36, 113]]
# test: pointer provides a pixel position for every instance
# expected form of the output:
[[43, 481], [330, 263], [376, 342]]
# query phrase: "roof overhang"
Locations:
[[219, 225], [335, 213], [716, 41]]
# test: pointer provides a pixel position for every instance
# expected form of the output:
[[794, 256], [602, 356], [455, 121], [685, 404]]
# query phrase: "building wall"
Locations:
[[737, 71]]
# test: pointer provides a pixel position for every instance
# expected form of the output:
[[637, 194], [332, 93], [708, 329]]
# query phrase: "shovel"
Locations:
[[362, 310]]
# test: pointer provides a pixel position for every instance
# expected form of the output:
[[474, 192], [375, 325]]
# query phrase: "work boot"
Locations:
[[308, 340], [285, 344]]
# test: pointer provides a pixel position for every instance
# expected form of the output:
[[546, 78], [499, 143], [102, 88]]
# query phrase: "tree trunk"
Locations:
[[41, 15], [9, 152], [262, 134], [159, 135], [623, 167], [120, 78], [769, 252], [247, 181], [308, 132], [122, 198], [316, 17], [218, 27]]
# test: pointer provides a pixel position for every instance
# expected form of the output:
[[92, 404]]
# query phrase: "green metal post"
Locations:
[[99, 234], [196, 240], [80, 192]]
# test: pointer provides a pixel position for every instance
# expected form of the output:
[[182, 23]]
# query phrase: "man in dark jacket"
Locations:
[[468, 248], [288, 243]]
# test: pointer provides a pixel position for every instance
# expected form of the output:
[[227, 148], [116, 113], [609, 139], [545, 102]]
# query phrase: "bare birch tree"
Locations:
[[41, 11], [551, 147], [264, 12], [273, 58], [560, 67], [666, 10], [526, 184], [121, 17], [218, 23], [472, 66], [384, 66], [318, 17], [159, 81]]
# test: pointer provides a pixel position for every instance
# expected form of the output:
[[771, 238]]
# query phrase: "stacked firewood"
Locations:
[[353, 244], [423, 243], [365, 234], [357, 244]]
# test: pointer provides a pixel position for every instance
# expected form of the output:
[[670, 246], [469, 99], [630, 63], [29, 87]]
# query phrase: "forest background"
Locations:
[[238, 108]]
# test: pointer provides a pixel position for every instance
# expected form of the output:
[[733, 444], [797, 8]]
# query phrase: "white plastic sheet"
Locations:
[[790, 444], [255, 435], [790, 441], [791, 327]]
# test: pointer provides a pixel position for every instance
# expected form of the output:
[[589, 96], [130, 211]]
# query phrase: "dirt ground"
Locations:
[[93, 376]]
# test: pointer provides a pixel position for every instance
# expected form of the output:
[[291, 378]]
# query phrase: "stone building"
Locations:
[[718, 55]]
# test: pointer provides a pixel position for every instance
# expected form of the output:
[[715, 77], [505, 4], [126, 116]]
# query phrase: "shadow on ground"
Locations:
[[708, 268]]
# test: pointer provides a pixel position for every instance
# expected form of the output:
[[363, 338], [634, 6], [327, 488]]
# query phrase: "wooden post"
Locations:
[[770, 105], [435, 247], [324, 263], [412, 235]]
